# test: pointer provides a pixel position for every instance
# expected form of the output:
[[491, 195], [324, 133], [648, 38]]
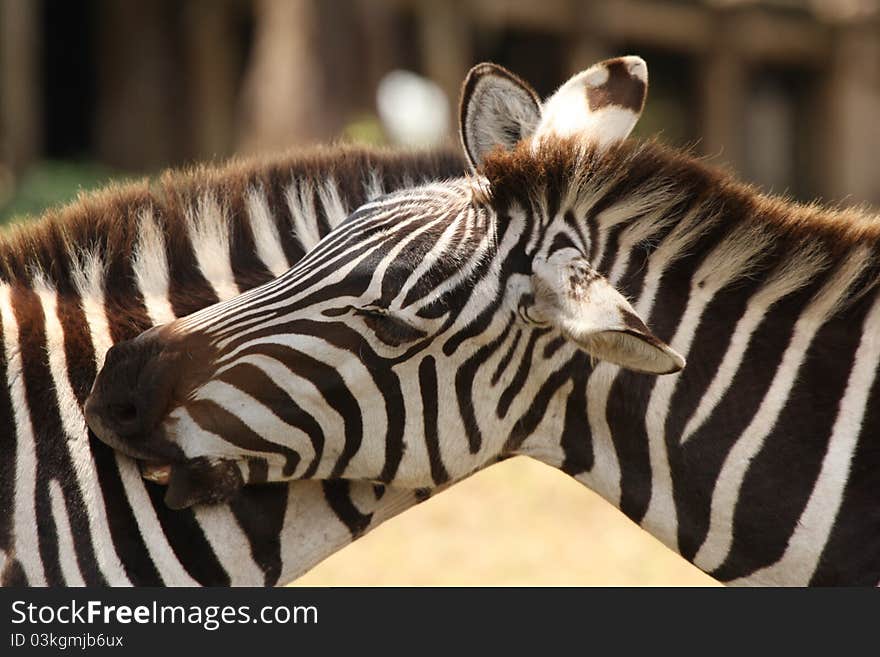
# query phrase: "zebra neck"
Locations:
[[753, 462]]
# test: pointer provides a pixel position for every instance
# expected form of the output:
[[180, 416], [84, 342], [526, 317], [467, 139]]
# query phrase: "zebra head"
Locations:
[[411, 344]]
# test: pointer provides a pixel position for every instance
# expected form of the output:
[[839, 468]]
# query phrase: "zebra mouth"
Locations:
[[197, 481], [158, 473]]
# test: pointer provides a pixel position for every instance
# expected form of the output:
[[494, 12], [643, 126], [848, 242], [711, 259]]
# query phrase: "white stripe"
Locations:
[[77, 441], [334, 208], [209, 234], [161, 553], [88, 278], [311, 529], [266, 238], [302, 211], [66, 551], [229, 543], [150, 265], [813, 528], [24, 506], [253, 414], [373, 187]]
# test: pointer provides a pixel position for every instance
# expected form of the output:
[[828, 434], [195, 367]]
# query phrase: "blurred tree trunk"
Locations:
[[285, 99], [446, 46], [138, 122], [20, 95], [212, 55]]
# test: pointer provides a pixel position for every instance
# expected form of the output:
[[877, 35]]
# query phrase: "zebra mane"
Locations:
[[102, 229], [646, 192]]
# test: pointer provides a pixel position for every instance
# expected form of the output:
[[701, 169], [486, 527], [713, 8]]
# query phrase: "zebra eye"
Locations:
[[390, 330]]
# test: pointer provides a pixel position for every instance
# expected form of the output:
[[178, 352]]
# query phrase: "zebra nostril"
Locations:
[[125, 413]]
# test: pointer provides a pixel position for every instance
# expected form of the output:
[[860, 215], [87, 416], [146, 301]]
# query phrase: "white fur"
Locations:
[[266, 238], [208, 233], [229, 542], [302, 211], [334, 208], [567, 113], [150, 265]]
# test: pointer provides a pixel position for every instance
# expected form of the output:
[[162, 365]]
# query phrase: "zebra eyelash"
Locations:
[[389, 329]]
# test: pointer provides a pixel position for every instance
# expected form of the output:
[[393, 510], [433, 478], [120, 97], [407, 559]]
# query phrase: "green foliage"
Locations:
[[364, 129], [50, 183]]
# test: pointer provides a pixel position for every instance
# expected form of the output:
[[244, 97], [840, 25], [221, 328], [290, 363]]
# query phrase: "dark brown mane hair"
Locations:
[[525, 176], [105, 222]]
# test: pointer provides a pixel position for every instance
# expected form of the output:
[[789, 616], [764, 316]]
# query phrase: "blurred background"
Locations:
[[785, 92]]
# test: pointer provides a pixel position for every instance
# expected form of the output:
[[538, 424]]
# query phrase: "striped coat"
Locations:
[[103, 269]]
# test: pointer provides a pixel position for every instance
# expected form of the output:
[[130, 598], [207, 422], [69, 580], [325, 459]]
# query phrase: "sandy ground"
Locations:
[[518, 523]]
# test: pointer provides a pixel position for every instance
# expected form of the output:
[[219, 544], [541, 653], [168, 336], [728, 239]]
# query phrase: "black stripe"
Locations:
[[274, 187], [505, 360], [852, 554], [630, 393], [338, 496], [247, 268], [529, 421], [187, 540], [577, 441], [52, 460], [522, 374], [188, 290], [464, 381], [428, 390], [260, 512]]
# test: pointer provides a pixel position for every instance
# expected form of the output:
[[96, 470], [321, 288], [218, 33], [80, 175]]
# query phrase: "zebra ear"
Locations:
[[497, 109], [601, 104], [578, 301]]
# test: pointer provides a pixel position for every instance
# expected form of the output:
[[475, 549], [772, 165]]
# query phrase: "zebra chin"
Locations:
[[187, 482]]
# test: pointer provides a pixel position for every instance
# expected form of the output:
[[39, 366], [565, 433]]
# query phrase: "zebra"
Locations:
[[441, 328], [105, 268]]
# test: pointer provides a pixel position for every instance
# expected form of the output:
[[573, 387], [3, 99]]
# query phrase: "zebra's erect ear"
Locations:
[[497, 109], [578, 301], [601, 104]]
